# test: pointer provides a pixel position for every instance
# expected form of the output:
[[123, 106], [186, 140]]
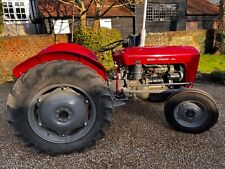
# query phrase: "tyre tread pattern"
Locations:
[[174, 98], [45, 71]]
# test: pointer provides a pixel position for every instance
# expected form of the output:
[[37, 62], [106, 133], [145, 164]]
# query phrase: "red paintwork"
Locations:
[[62, 51], [188, 56]]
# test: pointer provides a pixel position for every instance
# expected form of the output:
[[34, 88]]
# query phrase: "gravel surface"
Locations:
[[139, 137]]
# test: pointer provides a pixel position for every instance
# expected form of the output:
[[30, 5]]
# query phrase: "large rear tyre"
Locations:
[[191, 111], [60, 107]]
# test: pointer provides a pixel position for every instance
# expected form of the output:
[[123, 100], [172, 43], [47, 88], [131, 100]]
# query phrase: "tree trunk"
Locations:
[[222, 14], [223, 10], [83, 20], [83, 16], [96, 25], [222, 27], [101, 12]]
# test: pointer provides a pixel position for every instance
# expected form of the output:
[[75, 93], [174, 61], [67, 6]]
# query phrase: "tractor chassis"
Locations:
[[153, 92]]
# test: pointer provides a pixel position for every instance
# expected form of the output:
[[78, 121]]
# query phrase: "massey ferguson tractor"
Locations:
[[63, 99]]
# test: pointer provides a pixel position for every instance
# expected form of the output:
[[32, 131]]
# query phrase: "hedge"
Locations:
[[94, 40]]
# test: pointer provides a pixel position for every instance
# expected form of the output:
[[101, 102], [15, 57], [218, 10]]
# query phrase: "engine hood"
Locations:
[[184, 55], [161, 55]]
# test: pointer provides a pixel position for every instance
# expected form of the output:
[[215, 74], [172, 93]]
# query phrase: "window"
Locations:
[[14, 11], [161, 12], [106, 23]]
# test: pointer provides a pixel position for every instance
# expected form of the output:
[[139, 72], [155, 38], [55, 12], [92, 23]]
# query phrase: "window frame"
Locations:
[[163, 12], [16, 10]]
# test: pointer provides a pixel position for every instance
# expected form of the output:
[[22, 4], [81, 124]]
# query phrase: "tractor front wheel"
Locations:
[[191, 111], [60, 107]]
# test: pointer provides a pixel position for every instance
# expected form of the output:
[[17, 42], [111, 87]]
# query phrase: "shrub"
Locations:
[[222, 45], [217, 77], [94, 40]]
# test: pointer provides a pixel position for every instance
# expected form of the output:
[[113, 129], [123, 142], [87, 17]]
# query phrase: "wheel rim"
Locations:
[[190, 114], [61, 113]]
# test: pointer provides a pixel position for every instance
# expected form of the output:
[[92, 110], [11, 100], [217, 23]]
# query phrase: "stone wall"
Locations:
[[14, 50], [201, 39], [13, 29]]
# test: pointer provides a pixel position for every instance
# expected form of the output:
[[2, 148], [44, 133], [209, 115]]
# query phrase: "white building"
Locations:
[[17, 15]]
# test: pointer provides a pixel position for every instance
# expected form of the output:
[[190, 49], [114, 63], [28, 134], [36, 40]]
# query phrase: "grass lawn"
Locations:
[[209, 63]]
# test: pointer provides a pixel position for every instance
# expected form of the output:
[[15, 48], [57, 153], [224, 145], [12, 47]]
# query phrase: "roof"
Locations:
[[198, 7], [201, 7], [52, 8]]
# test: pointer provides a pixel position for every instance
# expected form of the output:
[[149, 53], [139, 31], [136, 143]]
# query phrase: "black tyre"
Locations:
[[191, 111], [60, 107]]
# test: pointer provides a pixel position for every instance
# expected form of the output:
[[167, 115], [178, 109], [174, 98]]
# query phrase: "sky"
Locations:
[[214, 1]]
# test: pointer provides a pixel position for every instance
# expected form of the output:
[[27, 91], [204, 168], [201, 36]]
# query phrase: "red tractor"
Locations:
[[63, 99]]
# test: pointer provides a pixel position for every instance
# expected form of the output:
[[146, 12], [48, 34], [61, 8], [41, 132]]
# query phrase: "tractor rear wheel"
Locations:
[[191, 111], [60, 107]]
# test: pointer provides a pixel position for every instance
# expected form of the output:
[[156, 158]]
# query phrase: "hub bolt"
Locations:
[[190, 113]]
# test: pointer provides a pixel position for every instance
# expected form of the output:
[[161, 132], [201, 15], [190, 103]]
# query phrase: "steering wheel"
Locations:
[[111, 46]]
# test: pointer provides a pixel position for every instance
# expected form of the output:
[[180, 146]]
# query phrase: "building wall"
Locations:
[[207, 25], [162, 26], [124, 25], [17, 27], [14, 50], [202, 22]]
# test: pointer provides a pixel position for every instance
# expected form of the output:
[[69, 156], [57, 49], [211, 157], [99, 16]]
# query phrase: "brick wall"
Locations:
[[14, 50]]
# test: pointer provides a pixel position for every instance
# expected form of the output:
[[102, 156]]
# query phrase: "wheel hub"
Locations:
[[63, 114], [190, 114], [63, 111]]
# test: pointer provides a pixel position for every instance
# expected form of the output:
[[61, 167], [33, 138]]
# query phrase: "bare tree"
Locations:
[[222, 11], [80, 5], [103, 6], [222, 16]]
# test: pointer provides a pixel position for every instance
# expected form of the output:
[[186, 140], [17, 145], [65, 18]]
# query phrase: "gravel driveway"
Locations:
[[139, 137]]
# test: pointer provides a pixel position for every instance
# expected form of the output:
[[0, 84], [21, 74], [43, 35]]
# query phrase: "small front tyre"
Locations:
[[191, 111], [60, 107]]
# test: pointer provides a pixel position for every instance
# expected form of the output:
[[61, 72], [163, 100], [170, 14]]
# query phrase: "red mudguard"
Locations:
[[62, 51]]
